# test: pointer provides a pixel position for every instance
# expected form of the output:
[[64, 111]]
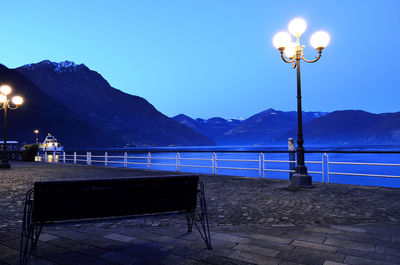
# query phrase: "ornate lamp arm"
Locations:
[[283, 56], [9, 106], [6, 105], [316, 58]]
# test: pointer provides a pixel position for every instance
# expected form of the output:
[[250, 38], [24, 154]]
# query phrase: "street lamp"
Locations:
[[36, 133], [292, 52], [5, 104]]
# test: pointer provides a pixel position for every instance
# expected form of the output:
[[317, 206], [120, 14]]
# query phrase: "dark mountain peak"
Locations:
[[42, 112], [216, 120], [180, 117], [90, 97], [350, 111], [66, 78], [350, 114], [269, 111], [186, 120], [200, 120]]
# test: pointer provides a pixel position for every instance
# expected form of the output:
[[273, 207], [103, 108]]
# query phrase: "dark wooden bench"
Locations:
[[72, 200]]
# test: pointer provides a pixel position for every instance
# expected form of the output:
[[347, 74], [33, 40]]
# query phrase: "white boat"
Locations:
[[50, 144]]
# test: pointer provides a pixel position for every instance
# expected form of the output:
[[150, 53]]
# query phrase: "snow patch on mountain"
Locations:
[[236, 119], [65, 66]]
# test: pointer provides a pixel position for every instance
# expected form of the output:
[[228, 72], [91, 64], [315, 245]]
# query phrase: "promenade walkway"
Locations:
[[253, 221]]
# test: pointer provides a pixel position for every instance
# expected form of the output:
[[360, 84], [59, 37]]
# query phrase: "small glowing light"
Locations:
[[320, 39], [2, 98], [36, 131], [17, 100], [281, 40], [5, 90], [290, 50], [297, 26]]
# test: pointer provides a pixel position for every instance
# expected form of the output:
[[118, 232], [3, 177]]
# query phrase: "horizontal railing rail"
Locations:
[[214, 163], [319, 151]]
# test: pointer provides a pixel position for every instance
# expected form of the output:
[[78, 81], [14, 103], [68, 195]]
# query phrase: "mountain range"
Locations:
[[352, 127], [262, 128], [347, 127], [214, 128], [40, 111], [72, 91], [81, 109]]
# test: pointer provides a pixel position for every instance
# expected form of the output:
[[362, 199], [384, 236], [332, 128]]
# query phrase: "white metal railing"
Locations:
[[212, 163]]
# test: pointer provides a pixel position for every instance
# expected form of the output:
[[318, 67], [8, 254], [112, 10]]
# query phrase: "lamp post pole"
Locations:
[[301, 168], [36, 133], [292, 52], [5, 105], [4, 162]]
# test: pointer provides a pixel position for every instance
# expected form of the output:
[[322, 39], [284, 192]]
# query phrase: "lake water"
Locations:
[[167, 157]]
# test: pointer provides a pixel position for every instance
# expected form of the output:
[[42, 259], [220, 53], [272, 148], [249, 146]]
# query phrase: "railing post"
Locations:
[[74, 157], [54, 156], [45, 157], [105, 159], [261, 165], [64, 157], [213, 163], [178, 162], [327, 168], [215, 166], [323, 169], [88, 158], [264, 166], [125, 159], [148, 161], [292, 157]]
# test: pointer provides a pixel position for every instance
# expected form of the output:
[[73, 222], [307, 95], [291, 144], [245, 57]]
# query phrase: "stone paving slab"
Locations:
[[253, 221]]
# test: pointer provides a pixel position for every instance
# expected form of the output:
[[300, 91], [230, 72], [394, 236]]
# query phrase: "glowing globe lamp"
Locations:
[[319, 40], [281, 40], [17, 100], [297, 27], [5, 90], [290, 51]]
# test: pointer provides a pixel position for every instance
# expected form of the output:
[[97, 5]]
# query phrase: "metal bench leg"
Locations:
[[27, 230], [190, 219], [37, 229], [202, 218], [30, 232]]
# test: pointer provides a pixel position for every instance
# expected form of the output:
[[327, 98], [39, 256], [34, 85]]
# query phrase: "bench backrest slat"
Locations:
[[82, 199]]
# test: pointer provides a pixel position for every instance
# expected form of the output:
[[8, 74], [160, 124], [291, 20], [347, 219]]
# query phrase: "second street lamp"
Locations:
[[292, 52], [36, 133], [5, 105]]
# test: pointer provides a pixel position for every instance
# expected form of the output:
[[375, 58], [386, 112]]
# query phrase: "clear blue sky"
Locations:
[[215, 57]]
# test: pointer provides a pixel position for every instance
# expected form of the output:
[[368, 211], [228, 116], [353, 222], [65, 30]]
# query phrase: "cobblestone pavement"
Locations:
[[253, 221]]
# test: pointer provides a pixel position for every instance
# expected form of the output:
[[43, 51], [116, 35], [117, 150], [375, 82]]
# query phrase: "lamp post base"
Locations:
[[301, 179]]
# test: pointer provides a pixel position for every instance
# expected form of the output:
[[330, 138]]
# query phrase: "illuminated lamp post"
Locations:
[[36, 133], [5, 104], [292, 52]]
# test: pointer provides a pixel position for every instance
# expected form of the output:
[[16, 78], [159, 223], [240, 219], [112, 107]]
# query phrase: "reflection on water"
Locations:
[[53, 158]]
